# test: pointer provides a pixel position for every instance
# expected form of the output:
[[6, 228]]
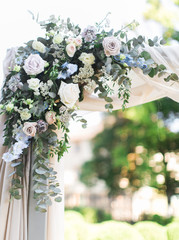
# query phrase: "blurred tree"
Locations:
[[132, 150], [167, 14]]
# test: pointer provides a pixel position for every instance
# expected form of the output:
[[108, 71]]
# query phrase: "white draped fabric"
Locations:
[[14, 215], [144, 88]]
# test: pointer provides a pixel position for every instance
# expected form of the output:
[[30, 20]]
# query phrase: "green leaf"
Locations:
[[149, 61], [173, 77], [108, 99], [109, 106], [52, 94], [40, 171], [15, 164], [103, 94], [140, 39], [162, 42], [152, 72], [56, 190], [17, 197], [122, 35], [155, 39], [145, 55], [162, 67], [58, 199], [151, 43], [38, 191]]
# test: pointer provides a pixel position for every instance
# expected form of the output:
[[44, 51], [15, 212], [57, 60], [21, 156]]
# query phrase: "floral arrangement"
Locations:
[[45, 78]]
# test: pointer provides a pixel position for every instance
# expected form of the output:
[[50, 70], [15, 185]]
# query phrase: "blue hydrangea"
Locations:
[[130, 61], [69, 69]]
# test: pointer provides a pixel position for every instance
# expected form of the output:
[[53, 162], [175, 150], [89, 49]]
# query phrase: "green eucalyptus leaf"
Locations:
[[162, 42], [108, 99], [58, 199], [38, 191], [56, 190], [155, 39], [151, 43], [40, 171], [52, 94], [17, 197], [15, 164], [149, 61], [174, 77]]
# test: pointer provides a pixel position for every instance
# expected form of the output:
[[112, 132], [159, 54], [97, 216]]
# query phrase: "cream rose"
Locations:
[[111, 46], [24, 114], [57, 39], [69, 93], [40, 47], [29, 128], [71, 49], [50, 117], [9, 107], [87, 58], [34, 64], [34, 83]]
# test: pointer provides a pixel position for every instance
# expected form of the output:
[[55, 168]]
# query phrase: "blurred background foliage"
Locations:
[[132, 150], [77, 228], [165, 13]]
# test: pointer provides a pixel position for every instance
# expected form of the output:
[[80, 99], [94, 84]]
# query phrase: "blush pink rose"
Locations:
[[30, 128], [71, 49], [78, 41], [50, 117], [111, 46], [34, 64]]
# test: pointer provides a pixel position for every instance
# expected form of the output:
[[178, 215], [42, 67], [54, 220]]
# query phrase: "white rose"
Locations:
[[34, 83], [57, 39], [40, 47], [87, 58], [24, 114], [30, 128], [34, 64], [69, 93], [71, 49]]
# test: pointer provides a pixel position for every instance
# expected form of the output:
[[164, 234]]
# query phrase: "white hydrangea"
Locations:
[[9, 157], [84, 75], [18, 147], [90, 87]]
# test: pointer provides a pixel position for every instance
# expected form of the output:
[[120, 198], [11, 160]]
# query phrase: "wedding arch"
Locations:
[[46, 82]]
